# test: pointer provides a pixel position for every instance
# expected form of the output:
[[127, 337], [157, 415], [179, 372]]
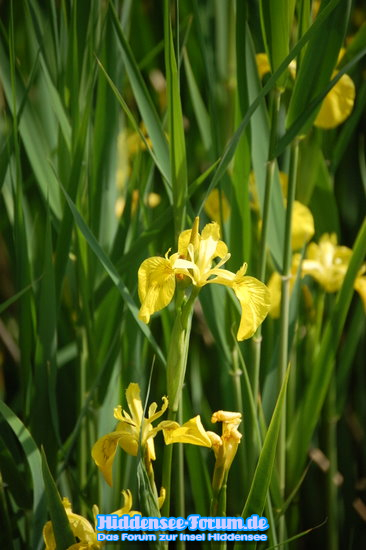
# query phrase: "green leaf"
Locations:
[[262, 477], [316, 69], [33, 457], [60, 523], [177, 147], [148, 501], [276, 20], [112, 272], [200, 111], [143, 99]]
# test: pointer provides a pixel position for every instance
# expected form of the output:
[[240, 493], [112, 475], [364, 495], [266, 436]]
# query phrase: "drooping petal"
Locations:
[[156, 286], [82, 529], [190, 432], [103, 453], [337, 104], [254, 298]]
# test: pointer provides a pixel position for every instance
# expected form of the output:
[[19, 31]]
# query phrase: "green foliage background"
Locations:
[[74, 76]]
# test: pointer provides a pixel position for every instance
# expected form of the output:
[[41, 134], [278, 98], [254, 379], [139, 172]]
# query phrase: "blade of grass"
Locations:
[[263, 473], [315, 69], [112, 272], [177, 148], [143, 99], [34, 460], [60, 523]]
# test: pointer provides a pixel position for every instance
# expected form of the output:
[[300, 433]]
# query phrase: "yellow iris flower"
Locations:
[[194, 260], [226, 446], [134, 430], [327, 263], [82, 528]]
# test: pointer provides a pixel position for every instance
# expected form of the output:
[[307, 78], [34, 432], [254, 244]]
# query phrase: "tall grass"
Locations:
[[118, 119]]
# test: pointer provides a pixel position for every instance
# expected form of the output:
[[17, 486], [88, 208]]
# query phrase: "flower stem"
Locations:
[[218, 505], [180, 508], [176, 370], [284, 321], [257, 340], [167, 472]]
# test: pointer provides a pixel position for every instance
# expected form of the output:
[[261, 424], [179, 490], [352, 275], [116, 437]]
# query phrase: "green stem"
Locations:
[[236, 374], [176, 369], [218, 504], [284, 326], [180, 501], [257, 340]]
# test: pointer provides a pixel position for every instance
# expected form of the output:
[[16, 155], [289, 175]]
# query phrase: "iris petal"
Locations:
[[337, 104], [254, 298], [156, 286], [191, 432]]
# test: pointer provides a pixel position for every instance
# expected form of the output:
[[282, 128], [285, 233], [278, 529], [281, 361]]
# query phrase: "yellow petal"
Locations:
[[48, 536], [126, 508], [337, 104], [191, 432], [217, 204], [226, 416], [183, 242], [103, 453], [153, 415], [263, 65], [82, 529], [134, 402], [302, 225], [156, 286], [254, 298]]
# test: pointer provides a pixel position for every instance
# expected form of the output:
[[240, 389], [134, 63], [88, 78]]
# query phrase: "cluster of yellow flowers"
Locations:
[[134, 432], [194, 263]]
